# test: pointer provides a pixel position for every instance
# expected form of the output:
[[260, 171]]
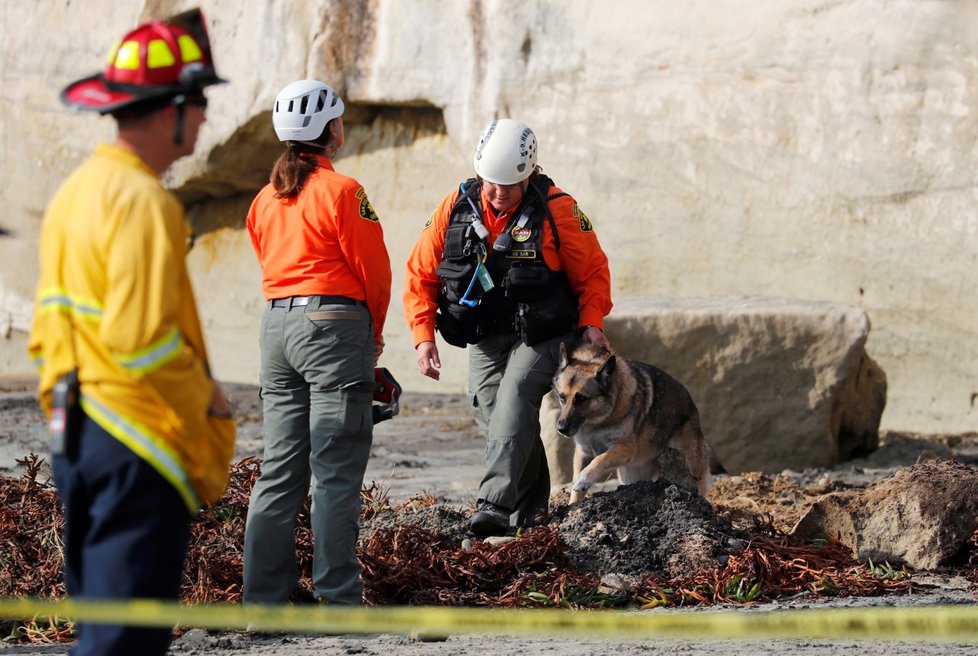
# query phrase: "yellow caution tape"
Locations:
[[920, 623]]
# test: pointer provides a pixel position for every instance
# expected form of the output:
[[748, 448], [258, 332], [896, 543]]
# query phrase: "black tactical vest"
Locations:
[[527, 298]]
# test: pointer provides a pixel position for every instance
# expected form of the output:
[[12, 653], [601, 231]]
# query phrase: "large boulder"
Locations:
[[780, 384], [922, 516]]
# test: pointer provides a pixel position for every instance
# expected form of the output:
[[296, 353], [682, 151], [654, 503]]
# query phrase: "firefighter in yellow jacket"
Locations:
[[145, 436]]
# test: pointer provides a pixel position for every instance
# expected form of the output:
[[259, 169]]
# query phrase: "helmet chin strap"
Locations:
[[308, 145], [181, 106]]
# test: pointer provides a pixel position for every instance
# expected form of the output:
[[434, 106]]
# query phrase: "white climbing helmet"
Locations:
[[303, 108], [507, 152]]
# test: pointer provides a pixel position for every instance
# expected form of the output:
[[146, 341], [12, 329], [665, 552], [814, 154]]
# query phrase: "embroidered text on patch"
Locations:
[[366, 211], [582, 217]]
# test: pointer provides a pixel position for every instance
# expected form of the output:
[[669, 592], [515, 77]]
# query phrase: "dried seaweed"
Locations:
[[971, 558], [212, 572], [773, 567], [408, 564], [31, 525], [31, 558]]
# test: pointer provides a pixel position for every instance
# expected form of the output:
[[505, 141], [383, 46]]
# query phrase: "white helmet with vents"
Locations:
[[303, 108], [507, 152]]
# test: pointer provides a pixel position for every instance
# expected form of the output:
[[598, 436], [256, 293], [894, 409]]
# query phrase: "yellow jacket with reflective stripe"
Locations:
[[114, 298]]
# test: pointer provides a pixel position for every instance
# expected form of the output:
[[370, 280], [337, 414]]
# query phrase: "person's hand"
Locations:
[[428, 361], [379, 349], [595, 335], [219, 406]]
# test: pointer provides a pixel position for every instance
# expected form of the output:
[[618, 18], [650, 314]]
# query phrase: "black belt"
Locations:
[[299, 301]]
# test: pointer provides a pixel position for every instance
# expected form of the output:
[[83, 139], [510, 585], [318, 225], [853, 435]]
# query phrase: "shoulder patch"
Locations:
[[582, 217], [366, 210], [431, 219]]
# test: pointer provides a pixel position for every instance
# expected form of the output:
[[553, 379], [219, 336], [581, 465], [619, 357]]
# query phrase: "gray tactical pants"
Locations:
[[317, 387], [507, 383]]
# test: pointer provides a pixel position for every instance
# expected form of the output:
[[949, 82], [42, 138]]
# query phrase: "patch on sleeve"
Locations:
[[582, 217], [366, 211], [431, 219]]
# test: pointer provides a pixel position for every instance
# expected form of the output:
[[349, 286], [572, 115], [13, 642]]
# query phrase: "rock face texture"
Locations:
[[778, 383], [921, 516], [786, 148]]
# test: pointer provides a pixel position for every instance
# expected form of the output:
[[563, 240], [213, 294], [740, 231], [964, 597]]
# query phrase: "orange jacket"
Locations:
[[326, 240], [580, 256]]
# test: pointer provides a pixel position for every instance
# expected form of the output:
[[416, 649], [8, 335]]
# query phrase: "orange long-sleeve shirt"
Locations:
[[327, 240], [580, 256]]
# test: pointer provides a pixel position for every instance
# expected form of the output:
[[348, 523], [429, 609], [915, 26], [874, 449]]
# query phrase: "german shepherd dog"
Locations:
[[624, 414]]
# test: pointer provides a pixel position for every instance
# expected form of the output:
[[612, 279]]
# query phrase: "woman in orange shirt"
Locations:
[[327, 279], [509, 266]]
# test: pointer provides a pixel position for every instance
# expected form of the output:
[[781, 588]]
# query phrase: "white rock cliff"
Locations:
[[793, 148]]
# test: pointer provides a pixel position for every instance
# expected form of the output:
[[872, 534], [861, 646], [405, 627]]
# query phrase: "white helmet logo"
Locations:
[[507, 152]]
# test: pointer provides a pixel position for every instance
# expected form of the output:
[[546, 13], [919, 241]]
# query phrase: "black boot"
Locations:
[[489, 519]]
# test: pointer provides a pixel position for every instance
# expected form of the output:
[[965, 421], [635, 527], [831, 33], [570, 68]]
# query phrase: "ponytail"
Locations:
[[292, 168]]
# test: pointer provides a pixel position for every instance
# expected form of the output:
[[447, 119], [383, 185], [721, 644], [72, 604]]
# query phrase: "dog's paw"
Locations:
[[582, 484]]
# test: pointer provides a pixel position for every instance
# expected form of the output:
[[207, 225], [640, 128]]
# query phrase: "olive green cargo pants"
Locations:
[[317, 386], [507, 383]]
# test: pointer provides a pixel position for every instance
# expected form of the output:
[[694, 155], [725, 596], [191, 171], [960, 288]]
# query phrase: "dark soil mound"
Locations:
[[644, 527], [636, 529]]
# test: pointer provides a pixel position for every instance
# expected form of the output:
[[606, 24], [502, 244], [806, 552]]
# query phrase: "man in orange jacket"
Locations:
[[509, 266]]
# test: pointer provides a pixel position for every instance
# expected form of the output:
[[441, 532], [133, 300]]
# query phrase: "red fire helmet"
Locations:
[[158, 59]]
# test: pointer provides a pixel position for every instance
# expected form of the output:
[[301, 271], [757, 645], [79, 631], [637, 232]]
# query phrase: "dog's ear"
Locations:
[[562, 358], [606, 371]]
